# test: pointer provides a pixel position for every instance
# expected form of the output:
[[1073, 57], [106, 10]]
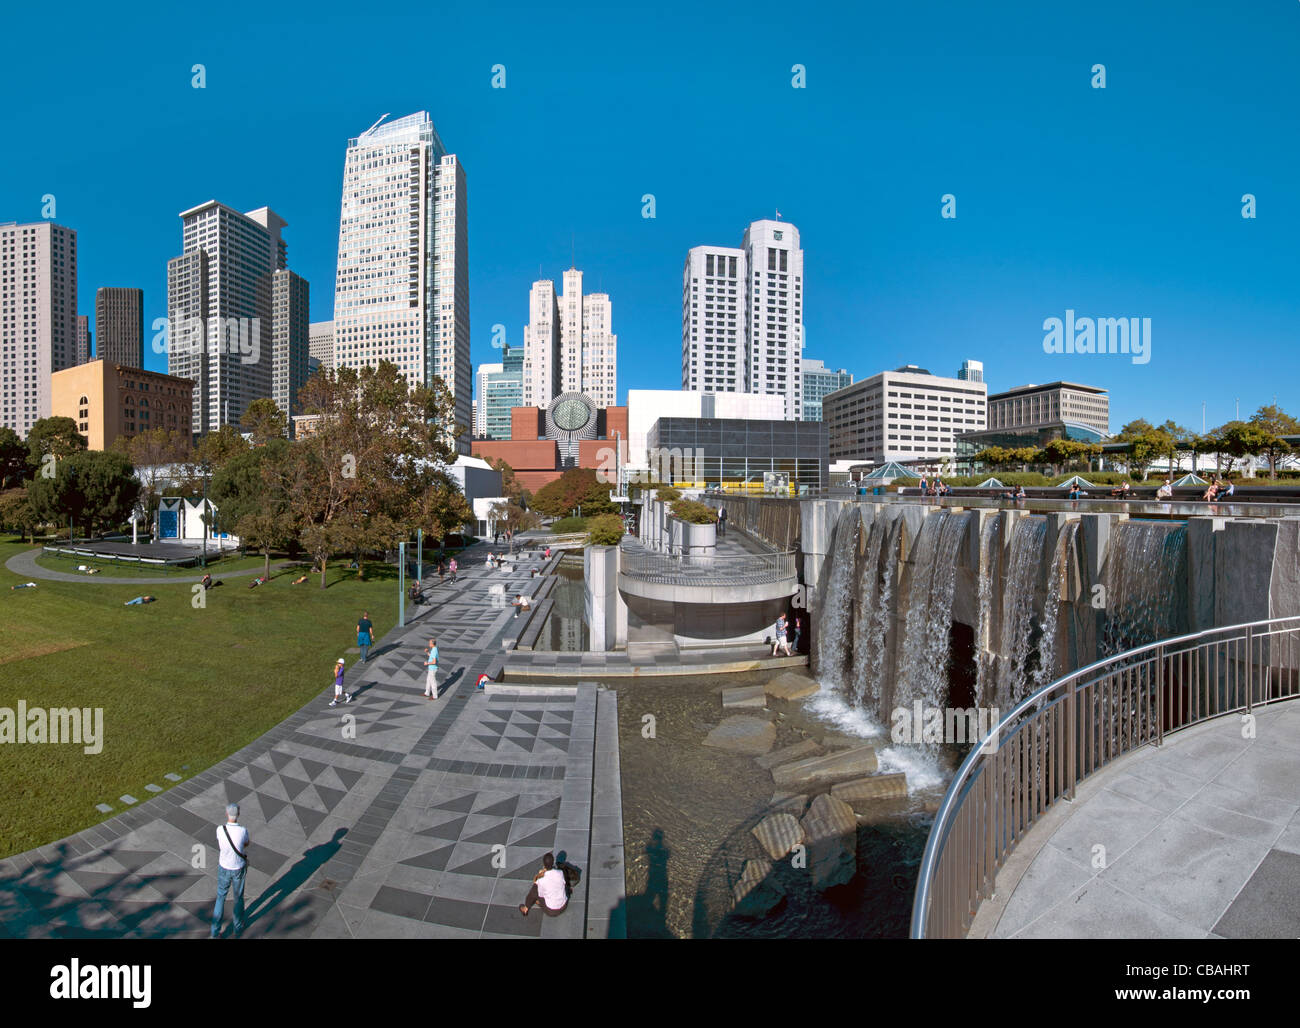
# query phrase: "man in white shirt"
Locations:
[[549, 889], [232, 840]]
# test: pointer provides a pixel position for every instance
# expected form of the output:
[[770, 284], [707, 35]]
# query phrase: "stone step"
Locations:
[[874, 787], [778, 834], [751, 736], [830, 830], [789, 803], [852, 763], [807, 748], [745, 696], [791, 686]]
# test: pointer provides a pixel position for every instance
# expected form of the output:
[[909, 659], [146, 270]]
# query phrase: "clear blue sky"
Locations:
[[1117, 202]]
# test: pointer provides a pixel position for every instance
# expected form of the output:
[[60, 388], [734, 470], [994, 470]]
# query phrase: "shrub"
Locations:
[[605, 530], [567, 525], [668, 495], [693, 512]]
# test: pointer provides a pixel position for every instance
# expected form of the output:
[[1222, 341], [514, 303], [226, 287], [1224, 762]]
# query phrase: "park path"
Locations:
[[24, 566], [391, 816]]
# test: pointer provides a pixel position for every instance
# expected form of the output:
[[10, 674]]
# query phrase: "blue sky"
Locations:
[[1115, 202]]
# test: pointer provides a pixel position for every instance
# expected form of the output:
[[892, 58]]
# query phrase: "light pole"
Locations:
[[203, 516]]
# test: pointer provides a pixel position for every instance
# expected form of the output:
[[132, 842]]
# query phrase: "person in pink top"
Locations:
[[548, 889]]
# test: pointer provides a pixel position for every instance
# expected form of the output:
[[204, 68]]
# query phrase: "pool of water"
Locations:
[[566, 626], [688, 811]]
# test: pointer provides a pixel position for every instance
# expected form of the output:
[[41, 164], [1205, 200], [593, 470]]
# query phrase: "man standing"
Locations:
[[364, 635], [232, 840], [722, 521], [431, 670]]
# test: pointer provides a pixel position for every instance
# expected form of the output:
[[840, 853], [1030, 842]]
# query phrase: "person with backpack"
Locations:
[[232, 868]]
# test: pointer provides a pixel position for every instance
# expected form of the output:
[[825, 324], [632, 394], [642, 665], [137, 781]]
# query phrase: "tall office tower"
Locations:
[[742, 316], [569, 345], [289, 339], [819, 381], [119, 325], [500, 387], [542, 346], [320, 342], [219, 309], [84, 339], [38, 317], [713, 332], [481, 376], [402, 289], [971, 371]]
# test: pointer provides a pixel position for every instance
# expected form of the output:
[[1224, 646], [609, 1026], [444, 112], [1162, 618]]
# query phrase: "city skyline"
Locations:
[[1157, 234]]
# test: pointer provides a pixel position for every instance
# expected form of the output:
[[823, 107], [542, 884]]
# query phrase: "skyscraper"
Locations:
[[402, 289], [569, 344], [38, 317], [320, 342], [742, 316], [820, 381], [499, 387], [220, 311], [85, 339], [119, 325], [289, 339]]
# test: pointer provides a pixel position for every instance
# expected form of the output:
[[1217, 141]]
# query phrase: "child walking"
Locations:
[[338, 685]]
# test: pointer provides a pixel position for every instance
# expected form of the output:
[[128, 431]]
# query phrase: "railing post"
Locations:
[[1160, 695], [1250, 668]]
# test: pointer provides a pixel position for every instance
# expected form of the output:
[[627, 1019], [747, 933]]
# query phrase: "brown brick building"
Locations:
[[109, 400]]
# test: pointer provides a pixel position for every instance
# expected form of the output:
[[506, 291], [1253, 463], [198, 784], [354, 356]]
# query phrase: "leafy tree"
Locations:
[[216, 448], [91, 489], [53, 436], [441, 507], [13, 459], [155, 454], [513, 519], [264, 420], [1275, 422], [1240, 440], [694, 512], [17, 513], [606, 530], [577, 487], [250, 495]]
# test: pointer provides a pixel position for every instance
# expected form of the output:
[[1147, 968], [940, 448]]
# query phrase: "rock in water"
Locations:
[[786, 754], [778, 834], [749, 735], [874, 787], [758, 892], [830, 831], [789, 803], [744, 696], [833, 767], [791, 686]]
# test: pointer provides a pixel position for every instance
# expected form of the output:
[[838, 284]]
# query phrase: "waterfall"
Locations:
[[984, 664], [832, 640], [877, 587], [1018, 588], [1145, 577], [1046, 670]]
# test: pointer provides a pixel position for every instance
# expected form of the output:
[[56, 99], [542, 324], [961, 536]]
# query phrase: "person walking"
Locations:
[[453, 567], [431, 669], [722, 521], [339, 694], [779, 641], [442, 572], [365, 634], [548, 889], [232, 866]]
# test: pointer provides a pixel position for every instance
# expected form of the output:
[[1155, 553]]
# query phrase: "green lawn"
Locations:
[[111, 569], [178, 686]]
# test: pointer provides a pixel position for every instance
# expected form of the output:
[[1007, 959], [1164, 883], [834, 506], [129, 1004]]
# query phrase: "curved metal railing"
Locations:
[[708, 569], [1072, 728]]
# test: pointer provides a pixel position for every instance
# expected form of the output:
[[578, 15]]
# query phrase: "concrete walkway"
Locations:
[[1199, 838], [391, 816], [24, 566]]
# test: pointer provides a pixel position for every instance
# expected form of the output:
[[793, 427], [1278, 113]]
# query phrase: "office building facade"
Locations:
[[85, 339], [119, 325], [569, 343], [401, 293], [819, 381], [320, 342], [38, 317], [1030, 406], [290, 295], [109, 401], [498, 388]]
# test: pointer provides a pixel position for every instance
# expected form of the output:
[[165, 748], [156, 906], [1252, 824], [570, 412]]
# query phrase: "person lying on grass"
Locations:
[[139, 600]]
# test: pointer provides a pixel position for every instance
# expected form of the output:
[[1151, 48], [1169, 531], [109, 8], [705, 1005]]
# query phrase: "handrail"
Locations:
[[709, 569], [1079, 724]]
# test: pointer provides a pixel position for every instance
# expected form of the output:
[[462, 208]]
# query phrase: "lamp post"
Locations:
[[203, 515]]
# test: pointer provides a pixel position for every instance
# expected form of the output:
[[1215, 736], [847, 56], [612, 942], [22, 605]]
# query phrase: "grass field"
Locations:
[[179, 686], [109, 569]]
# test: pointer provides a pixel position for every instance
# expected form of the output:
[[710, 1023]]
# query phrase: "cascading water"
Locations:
[[984, 665], [1046, 670], [1145, 578], [1018, 588], [832, 641], [877, 590]]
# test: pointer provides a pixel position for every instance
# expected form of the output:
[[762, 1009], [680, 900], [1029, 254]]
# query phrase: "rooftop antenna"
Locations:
[[376, 124]]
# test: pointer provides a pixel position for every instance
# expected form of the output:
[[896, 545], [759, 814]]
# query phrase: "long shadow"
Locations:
[[450, 680], [646, 914], [288, 883]]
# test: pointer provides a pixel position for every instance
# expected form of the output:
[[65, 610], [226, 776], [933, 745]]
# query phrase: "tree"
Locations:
[[56, 437], [250, 493], [513, 519], [1275, 422], [1239, 440], [216, 448], [17, 513], [91, 489], [577, 487], [155, 455], [606, 530], [13, 459], [264, 421], [441, 507]]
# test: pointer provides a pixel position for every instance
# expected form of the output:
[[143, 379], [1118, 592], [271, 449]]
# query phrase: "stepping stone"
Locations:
[[745, 696], [103, 808], [172, 776], [789, 803], [778, 834], [831, 830], [792, 686], [875, 787], [750, 736], [807, 748], [852, 763], [758, 892], [154, 788], [128, 799]]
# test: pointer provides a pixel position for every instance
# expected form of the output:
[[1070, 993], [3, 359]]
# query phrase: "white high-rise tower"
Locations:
[[569, 344], [402, 290]]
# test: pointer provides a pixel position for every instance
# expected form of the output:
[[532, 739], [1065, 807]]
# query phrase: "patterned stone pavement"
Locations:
[[391, 816]]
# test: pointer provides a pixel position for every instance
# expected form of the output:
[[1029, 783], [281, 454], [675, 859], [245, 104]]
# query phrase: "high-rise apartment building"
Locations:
[[320, 342], [289, 339], [569, 344], [742, 316], [971, 371], [904, 415], [819, 381], [220, 310], [499, 388], [402, 289], [85, 340], [38, 317], [119, 325]]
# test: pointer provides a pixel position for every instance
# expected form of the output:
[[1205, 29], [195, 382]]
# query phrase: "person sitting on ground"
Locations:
[[417, 593], [1165, 491], [549, 889], [206, 581], [522, 603], [299, 580], [138, 600]]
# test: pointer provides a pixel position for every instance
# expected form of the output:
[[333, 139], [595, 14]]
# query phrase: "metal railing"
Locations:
[[708, 569], [1075, 726]]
